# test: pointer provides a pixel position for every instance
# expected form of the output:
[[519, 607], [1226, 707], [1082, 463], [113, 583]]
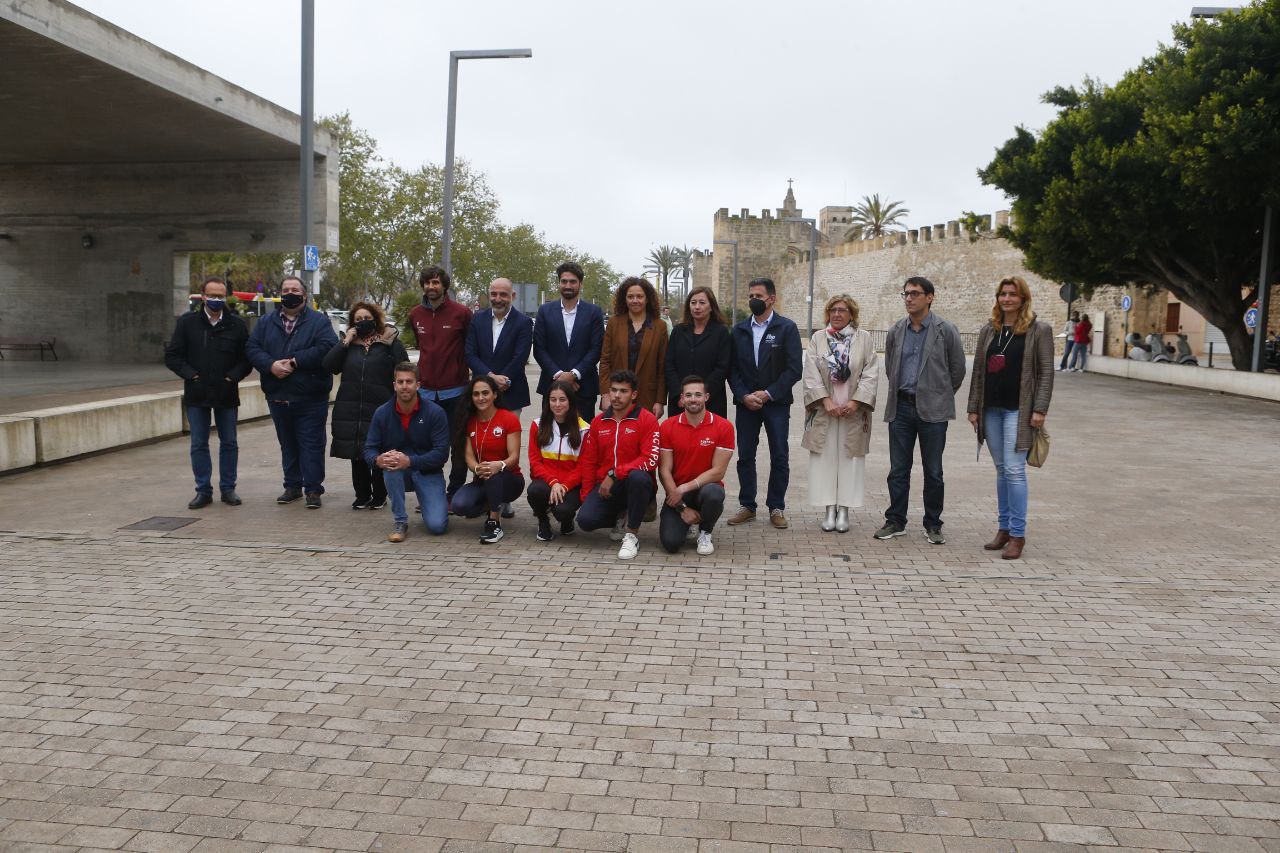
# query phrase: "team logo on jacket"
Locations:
[[768, 339], [706, 442], [627, 431], [497, 431]]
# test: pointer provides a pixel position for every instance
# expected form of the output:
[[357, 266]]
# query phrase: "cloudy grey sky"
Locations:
[[634, 122]]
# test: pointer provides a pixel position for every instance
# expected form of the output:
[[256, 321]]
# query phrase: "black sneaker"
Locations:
[[288, 496], [890, 530], [492, 531], [361, 503], [313, 500], [934, 535], [230, 498], [377, 503], [201, 500], [544, 530], [567, 528], [507, 511]]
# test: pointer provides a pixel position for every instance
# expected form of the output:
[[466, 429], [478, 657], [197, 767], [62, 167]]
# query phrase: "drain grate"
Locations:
[[160, 522]]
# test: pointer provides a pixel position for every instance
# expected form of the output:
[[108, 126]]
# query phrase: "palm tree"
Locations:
[[685, 256], [665, 258], [874, 218]]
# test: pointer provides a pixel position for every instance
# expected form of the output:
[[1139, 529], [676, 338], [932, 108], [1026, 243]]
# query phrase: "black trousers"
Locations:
[[708, 500], [631, 494], [480, 496], [368, 482], [540, 501], [458, 462]]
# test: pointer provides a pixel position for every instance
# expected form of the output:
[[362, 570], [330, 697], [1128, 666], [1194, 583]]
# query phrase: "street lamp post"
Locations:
[[733, 307], [307, 155], [446, 254], [813, 261]]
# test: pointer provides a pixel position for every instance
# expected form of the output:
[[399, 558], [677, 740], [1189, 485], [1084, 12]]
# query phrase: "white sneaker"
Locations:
[[705, 548], [619, 530], [630, 547]]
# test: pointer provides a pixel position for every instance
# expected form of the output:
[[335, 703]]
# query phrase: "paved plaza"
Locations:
[[272, 678]]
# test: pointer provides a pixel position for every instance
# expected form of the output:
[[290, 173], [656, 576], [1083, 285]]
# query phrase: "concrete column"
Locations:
[[181, 282]]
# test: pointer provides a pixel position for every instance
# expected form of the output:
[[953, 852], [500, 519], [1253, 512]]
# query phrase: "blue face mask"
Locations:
[[215, 306]]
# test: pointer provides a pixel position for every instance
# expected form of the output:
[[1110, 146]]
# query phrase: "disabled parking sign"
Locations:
[[311, 258], [1251, 318], [1126, 302]]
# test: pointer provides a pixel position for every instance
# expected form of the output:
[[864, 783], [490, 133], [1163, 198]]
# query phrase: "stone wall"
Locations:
[[762, 246]]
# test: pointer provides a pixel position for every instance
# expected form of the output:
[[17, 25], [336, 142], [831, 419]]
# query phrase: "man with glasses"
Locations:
[[924, 367], [567, 337]]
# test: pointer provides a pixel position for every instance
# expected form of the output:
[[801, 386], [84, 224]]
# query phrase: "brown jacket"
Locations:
[[649, 366], [864, 376], [1036, 384]]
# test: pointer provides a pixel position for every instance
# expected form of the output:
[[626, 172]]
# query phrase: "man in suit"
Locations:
[[765, 362], [498, 343], [567, 339]]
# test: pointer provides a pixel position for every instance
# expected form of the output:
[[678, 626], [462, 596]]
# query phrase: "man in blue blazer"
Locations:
[[498, 343], [567, 339], [765, 361]]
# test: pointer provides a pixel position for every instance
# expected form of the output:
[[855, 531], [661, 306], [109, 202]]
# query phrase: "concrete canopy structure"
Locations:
[[118, 159]]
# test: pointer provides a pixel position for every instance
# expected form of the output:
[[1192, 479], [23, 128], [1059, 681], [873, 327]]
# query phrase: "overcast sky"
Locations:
[[633, 123]]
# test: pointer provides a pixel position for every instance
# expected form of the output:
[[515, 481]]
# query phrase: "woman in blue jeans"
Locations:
[[1009, 393]]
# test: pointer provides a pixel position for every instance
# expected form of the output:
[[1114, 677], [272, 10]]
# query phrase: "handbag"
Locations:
[[1039, 451]]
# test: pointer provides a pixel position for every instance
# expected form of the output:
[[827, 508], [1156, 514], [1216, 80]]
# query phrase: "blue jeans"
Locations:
[[429, 488], [774, 417], [1081, 352], [1001, 428], [199, 418], [300, 430], [904, 429], [1066, 354]]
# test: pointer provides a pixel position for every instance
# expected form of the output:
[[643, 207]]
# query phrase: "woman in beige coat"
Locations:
[[840, 376]]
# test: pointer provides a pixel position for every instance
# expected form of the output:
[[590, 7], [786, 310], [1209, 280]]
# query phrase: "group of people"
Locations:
[[449, 429], [1077, 334]]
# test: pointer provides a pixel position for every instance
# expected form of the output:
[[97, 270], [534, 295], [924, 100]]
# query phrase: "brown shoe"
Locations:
[[1002, 536], [1013, 550], [743, 516], [399, 533], [778, 519]]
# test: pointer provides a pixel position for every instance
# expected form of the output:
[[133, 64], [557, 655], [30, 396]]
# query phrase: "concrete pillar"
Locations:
[[939, 231], [1002, 218], [914, 235], [181, 282], [953, 228]]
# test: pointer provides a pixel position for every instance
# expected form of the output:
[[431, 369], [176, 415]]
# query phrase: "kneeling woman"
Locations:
[[490, 439], [555, 439], [1009, 393]]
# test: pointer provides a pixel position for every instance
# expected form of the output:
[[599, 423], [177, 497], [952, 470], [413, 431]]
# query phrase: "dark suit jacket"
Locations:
[[510, 357], [582, 353], [780, 361]]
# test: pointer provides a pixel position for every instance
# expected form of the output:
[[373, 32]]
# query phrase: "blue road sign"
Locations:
[[311, 258], [1126, 302], [1251, 318]]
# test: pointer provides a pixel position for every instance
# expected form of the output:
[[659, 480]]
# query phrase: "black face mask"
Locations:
[[365, 328], [757, 306], [292, 300]]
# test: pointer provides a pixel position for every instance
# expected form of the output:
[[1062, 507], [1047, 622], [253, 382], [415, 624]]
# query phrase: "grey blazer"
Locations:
[[942, 370]]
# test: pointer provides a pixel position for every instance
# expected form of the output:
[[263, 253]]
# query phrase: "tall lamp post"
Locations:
[[733, 306], [446, 254], [307, 155], [813, 261]]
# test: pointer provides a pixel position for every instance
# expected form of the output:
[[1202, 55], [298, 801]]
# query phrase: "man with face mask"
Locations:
[[208, 351], [765, 361], [288, 348]]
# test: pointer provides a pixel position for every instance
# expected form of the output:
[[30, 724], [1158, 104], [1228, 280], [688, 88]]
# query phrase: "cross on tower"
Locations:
[[789, 182]]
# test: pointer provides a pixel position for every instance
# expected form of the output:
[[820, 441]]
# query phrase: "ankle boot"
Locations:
[[829, 523], [1002, 537], [842, 519], [1013, 550]]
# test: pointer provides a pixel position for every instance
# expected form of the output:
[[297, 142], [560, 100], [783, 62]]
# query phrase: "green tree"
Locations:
[[1161, 179], [353, 271], [666, 259], [875, 218]]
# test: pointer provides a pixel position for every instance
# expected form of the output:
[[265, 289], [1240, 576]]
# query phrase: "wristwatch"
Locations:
[[610, 475], [682, 507]]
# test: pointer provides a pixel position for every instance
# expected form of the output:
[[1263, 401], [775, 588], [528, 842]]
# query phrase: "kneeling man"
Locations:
[[409, 441], [695, 447]]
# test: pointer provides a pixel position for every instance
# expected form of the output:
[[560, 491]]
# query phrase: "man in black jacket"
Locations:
[[207, 351]]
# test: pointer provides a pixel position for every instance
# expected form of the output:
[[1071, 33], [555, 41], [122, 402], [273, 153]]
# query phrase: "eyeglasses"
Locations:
[[910, 294]]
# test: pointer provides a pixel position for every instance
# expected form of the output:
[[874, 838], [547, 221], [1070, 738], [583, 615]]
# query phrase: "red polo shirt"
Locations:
[[489, 439], [693, 448], [405, 417]]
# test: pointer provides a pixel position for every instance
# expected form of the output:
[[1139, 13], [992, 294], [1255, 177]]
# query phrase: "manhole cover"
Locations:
[[160, 522]]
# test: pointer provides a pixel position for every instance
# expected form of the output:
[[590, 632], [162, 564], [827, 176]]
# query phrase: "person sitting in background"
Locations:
[[488, 438], [555, 441]]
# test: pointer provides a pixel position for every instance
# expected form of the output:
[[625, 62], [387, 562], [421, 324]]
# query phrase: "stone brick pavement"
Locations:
[[270, 678]]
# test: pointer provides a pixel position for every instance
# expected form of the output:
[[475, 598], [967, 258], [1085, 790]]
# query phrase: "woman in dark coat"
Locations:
[[699, 346], [365, 357]]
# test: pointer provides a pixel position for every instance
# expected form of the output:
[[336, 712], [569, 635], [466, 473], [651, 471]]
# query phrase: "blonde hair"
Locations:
[[1025, 315], [848, 301]]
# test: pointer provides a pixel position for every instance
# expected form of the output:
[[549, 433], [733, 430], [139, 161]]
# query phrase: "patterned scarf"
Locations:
[[840, 343]]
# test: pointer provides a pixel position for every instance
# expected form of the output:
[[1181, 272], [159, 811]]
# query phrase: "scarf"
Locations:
[[839, 344]]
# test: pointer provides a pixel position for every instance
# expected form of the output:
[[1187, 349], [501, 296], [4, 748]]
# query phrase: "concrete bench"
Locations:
[[42, 343]]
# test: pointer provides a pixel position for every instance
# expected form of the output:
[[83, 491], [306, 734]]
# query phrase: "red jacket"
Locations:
[[1083, 331], [558, 462], [441, 335], [625, 446]]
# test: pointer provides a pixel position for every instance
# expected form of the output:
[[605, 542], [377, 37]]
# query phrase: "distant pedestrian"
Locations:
[[841, 374], [1069, 338], [766, 361], [208, 351], [1083, 337], [365, 358], [666, 319], [1009, 396], [635, 339], [699, 346], [924, 368], [440, 326], [567, 339], [287, 347]]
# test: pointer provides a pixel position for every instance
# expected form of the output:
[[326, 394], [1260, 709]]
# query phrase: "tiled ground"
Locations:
[[272, 678]]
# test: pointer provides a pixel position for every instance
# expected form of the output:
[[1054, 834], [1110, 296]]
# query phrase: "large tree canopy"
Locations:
[[1163, 178]]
